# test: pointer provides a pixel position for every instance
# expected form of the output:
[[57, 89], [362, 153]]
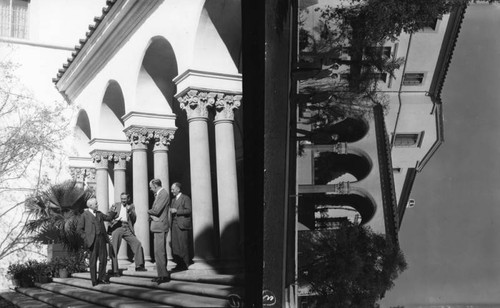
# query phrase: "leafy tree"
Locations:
[[31, 135], [357, 28], [54, 214], [348, 267]]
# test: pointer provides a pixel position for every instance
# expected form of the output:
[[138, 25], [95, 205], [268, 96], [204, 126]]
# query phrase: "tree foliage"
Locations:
[[31, 135], [54, 214], [346, 42], [348, 267]]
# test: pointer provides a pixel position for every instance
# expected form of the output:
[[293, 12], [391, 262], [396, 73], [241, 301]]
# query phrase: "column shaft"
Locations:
[[160, 154], [201, 190], [102, 186], [120, 167], [227, 185], [141, 197]]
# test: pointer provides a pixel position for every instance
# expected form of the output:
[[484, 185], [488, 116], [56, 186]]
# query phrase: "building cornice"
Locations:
[[119, 21]]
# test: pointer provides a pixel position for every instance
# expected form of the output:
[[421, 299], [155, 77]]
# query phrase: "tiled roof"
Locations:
[[83, 41], [451, 36]]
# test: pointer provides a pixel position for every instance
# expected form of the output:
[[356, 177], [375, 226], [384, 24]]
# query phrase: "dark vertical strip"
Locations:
[[276, 150], [292, 150], [253, 62]]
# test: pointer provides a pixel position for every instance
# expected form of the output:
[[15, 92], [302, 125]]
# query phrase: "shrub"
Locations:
[[73, 263]]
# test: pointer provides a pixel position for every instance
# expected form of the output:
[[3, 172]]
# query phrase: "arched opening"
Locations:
[[111, 113], [82, 135], [347, 130], [332, 168], [325, 210]]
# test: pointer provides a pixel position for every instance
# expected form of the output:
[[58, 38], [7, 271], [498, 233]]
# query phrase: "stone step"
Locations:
[[23, 301], [194, 276], [196, 288], [54, 299], [116, 295]]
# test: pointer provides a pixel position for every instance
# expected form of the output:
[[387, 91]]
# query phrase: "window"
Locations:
[[413, 79], [408, 140], [14, 18]]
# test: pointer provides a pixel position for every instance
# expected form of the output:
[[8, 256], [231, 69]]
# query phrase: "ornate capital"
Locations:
[[340, 148], [163, 137], [342, 188], [138, 135], [225, 105], [101, 159], [195, 103], [90, 175], [120, 159], [77, 173]]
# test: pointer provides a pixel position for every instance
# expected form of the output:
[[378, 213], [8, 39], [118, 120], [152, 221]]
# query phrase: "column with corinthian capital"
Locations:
[[227, 183], [100, 159], [195, 104], [139, 139], [120, 166], [162, 138]]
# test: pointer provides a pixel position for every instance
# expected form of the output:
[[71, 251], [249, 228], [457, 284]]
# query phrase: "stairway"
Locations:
[[134, 290]]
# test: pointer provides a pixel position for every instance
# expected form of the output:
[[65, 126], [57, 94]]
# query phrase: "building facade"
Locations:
[[161, 100]]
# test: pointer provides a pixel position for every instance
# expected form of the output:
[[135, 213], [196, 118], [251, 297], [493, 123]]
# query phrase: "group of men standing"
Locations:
[[166, 214]]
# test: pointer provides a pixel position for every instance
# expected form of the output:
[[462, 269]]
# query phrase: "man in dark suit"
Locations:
[[122, 226], [160, 224], [91, 228], [181, 224]]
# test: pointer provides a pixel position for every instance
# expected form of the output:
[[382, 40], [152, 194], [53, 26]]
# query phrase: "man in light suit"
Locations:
[[91, 228], [181, 224], [160, 224], [122, 226]]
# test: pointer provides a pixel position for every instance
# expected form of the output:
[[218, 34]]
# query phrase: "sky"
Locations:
[[451, 238]]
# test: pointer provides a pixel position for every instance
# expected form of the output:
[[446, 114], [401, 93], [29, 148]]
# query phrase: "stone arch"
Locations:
[[331, 167], [155, 88], [155, 93], [218, 37], [348, 130], [111, 112], [334, 205], [82, 134]]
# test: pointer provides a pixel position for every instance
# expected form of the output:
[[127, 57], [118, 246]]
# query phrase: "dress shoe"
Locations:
[[163, 279], [94, 283], [155, 279], [140, 269], [179, 268], [103, 281]]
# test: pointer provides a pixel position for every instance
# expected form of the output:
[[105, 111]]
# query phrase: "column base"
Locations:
[[216, 266]]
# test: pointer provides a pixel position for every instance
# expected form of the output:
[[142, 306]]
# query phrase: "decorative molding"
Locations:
[[138, 135], [101, 159], [342, 188], [340, 148], [77, 173], [163, 137], [225, 105], [120, 160], [90, 175], [113, 32], [196, 103]]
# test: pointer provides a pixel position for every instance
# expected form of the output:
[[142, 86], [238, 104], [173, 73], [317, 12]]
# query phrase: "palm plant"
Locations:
[[54, 214]]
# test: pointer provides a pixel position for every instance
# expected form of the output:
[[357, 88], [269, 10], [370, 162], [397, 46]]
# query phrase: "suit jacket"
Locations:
[[183, 215], [89, 226], [160, 211], [114, 212]]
